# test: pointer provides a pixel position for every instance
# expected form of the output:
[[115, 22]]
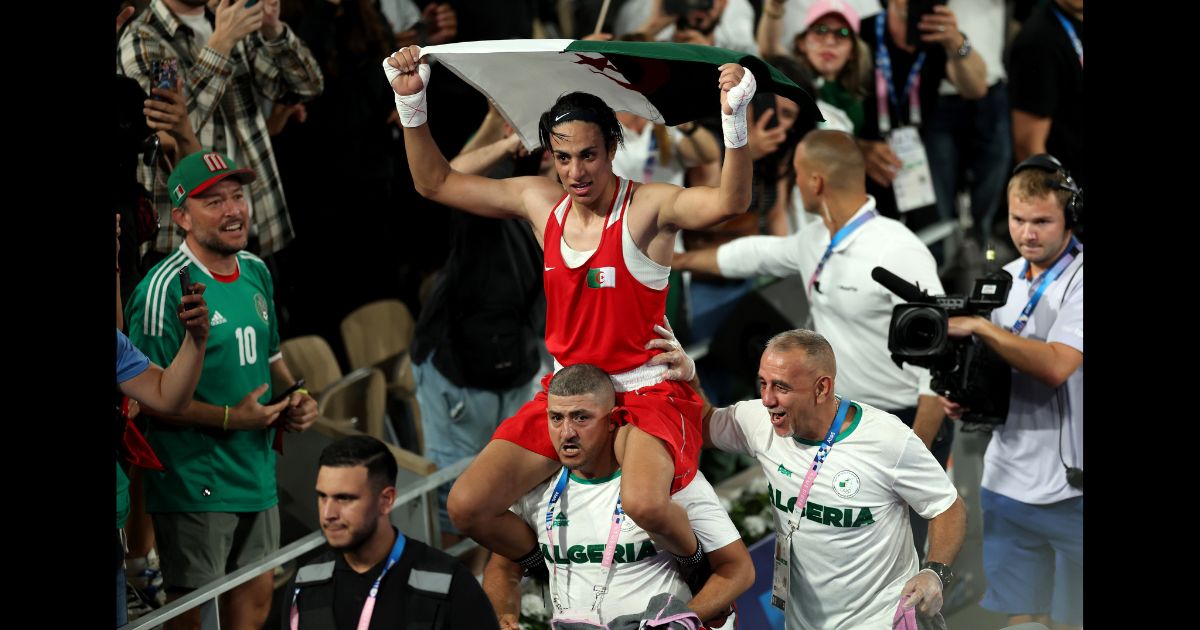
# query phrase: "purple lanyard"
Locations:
[[1070, 29], [364, 618], [1047, 277], [885, 91], [610, 546], [833, 242], [822, 453]]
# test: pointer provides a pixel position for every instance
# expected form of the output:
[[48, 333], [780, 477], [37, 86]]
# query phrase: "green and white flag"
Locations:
[[602, 277], [661, 81]]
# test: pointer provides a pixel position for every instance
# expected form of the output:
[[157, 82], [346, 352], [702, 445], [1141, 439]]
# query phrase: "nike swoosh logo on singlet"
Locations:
[[549, 268]]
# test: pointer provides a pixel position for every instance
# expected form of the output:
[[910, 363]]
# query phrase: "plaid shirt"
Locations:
[[221, 89]]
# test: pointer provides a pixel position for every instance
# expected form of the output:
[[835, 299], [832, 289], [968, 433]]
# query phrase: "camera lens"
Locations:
[[921, 331]]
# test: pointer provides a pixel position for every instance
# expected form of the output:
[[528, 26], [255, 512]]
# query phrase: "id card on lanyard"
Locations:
[[783, 543], [1047, 278], [606, 563], [913, 184]]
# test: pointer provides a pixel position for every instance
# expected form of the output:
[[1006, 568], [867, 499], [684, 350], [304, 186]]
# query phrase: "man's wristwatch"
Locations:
[[966, 47], [943, 572]]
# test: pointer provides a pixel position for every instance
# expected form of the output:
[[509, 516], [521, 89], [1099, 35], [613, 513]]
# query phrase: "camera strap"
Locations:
[[837, 239], [1048, 277], [885, 91]]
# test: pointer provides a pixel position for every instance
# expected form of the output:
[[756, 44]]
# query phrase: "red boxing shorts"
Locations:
[[670, 411]]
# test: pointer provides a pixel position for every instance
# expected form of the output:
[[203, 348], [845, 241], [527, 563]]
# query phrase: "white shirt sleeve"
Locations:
[[727, 433], [750, 256], [1068, 325], [920, 481], [709, 520]]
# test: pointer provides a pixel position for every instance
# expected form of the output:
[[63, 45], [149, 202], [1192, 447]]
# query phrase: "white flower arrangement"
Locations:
[[750, 510], [534, 615]]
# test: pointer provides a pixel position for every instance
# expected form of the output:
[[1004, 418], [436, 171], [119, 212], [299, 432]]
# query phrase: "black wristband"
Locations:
[[532, 560], [694, 559]]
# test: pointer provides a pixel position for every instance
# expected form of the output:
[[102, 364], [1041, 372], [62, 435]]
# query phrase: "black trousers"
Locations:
[[941, 452]]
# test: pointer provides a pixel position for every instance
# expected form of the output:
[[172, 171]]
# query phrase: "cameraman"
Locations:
[[1032, 495]]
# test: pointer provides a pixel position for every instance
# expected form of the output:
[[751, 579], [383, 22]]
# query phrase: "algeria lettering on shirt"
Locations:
[[829, 515]]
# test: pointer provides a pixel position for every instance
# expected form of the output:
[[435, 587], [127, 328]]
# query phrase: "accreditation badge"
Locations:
[[783, 568]]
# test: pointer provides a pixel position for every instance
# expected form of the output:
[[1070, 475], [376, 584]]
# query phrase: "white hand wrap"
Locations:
[[733, 126], [411, 108]]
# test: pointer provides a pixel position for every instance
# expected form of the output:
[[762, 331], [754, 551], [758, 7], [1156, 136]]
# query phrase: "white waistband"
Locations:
[[635, 379]]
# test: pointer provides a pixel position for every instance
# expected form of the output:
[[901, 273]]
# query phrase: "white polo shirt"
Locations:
[[852, 551], [851, 310], [1022, 460]]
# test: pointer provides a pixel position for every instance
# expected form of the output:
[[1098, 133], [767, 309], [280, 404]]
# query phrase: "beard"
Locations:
[[357, 538], [216, 245]]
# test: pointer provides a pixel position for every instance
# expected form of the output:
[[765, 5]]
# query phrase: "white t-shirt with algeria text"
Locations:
[[853, 550], [640, 571]]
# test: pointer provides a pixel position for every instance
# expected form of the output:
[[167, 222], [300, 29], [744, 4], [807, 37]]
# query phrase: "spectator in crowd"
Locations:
[[724, 23], [1032, 494], [369, 570], [973, 135], [215, 508], [585, 430], [868, 468], [909, 73], [228, 56], [846, 304], [1046, 85], [829, 47]]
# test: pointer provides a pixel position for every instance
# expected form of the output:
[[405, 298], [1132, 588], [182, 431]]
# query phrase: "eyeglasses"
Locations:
[[821, 30]]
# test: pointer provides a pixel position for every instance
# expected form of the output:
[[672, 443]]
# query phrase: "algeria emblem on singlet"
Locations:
[[602, 277], [260, 306], [846, 484]]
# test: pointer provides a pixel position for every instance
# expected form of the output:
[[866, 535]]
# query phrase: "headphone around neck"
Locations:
[[1062, 181]]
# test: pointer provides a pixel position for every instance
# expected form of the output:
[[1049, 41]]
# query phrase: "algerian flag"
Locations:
[[602, 277], [661, 81]]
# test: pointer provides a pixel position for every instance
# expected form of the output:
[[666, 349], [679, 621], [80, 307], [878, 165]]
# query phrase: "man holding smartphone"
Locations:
[[230, 57], [215, 509]]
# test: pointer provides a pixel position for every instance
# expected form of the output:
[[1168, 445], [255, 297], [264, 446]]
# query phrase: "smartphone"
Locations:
[[185, 281], [762, 102], [916, 9], [287, 392], [164, 75], [251, 3]]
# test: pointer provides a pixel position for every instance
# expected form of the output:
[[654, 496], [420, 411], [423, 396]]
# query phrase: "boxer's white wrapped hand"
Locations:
[[409, 77], [737, 88]]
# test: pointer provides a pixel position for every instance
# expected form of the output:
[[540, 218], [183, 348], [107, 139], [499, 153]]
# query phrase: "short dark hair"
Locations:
[[363, 450], [585, 107], [816, 348], [580, 379]]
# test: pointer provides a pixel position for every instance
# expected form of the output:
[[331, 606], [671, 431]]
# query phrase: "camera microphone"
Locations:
[[907, 291]]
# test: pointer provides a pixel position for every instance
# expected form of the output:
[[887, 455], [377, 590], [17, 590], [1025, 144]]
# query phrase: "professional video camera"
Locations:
[[964, 370]]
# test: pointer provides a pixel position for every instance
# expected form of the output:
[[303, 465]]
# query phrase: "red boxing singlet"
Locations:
[[598, 313]]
